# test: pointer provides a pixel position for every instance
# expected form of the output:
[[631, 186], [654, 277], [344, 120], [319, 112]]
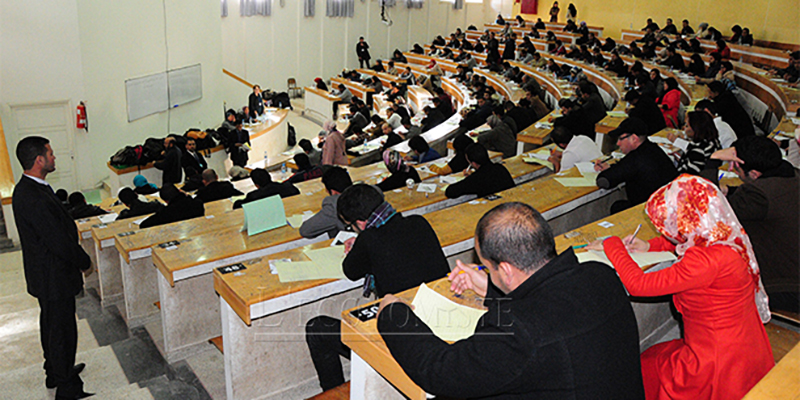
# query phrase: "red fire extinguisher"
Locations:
[[80, 113]]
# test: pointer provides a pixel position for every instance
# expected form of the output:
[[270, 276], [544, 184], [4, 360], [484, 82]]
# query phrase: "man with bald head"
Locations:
[[213, 189], [171, 163], [554, 328]]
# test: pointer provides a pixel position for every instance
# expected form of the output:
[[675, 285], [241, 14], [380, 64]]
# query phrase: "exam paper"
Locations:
[[681, 144], [642, 259], [295, 220], [326, 263], [576, 182], [108, 218], [426, 187], [448, 320]]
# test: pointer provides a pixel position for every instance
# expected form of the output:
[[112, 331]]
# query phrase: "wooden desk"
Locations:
[[781, 382], [319, 104]]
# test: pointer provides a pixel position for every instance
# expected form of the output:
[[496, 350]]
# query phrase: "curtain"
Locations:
[[414, 3], [309, 8], [224, 8], [340, 8], [529, 7], [249, 8]]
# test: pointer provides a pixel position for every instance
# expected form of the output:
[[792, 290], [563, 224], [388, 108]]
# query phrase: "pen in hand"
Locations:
[[636, 232]]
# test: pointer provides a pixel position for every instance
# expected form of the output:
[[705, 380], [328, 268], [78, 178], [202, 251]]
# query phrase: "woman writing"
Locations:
[[716, 287], [399, 170], [704, 142]]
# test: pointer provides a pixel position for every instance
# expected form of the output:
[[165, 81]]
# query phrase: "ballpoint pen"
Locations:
[[636, 232]]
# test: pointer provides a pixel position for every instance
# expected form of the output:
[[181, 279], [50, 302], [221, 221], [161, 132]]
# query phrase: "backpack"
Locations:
[[128, 155], [152, 149], [291, 136]]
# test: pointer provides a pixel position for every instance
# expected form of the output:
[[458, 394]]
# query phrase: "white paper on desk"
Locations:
[[659, 139], [642, 259], [585, 167], [139, 221], [448, 320], [617, 114], [342, 237], [426, 187], [729, 174], [108, 218], [272, 269], [537, 160], [450, 179], [681, 144], [543, 125], [424, 169], [795, 121]]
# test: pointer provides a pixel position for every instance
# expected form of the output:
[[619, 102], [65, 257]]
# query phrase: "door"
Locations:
[[52, 120]]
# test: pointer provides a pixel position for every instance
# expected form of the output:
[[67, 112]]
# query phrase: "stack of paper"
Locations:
[[326, 263], [643, 259], [448, 320]]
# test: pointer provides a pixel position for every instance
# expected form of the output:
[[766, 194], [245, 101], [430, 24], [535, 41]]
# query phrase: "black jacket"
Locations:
[[594, 108], [216, 191], [488, 179], [384, 253], [171, 165], [193, 166], [139, 208], [285, 189], [567, 332], [180, 208], [576, 122], [85, 211], [734, 114], [643, 170], [256, 104], [51, 252], [647, 110], [398, 179]]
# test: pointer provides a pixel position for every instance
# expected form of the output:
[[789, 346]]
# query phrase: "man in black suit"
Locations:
[[171, 164], [53, 260], [266, 188], [236, 145], [255, 102], [179, 207], [193, 166], [488, 177], [215, 190]]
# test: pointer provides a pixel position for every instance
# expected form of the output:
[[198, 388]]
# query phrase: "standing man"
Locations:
[[362, 51], [237, 142], [171, 164], [256, 102], [53, 260]]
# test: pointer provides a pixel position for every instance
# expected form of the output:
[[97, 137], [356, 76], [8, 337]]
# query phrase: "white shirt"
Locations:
[[394, 121], [726, 134], [38, 180], [579, 149]]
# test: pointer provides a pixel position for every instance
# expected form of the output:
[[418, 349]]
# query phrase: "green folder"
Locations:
[[263, 215]]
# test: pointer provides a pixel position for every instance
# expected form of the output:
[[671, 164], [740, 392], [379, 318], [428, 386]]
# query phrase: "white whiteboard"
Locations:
[[146, 95], [159, 92], [185, 85]]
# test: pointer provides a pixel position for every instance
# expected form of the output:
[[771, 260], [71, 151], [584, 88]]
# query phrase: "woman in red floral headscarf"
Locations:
[[715, 285]]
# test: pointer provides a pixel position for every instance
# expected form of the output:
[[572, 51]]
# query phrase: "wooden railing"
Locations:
[[234, 76]]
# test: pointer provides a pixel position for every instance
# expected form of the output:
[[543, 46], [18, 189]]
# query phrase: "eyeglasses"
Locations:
[[624, 136]]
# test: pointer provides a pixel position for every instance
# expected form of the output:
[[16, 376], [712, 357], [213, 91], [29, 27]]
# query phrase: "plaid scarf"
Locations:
[[381, 215]]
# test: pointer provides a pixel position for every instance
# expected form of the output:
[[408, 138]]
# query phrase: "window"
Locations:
[[224, 8], [249, 8], [309, 8], [340, 8]]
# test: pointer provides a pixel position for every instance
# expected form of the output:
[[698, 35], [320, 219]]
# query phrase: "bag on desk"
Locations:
[[291, 136]]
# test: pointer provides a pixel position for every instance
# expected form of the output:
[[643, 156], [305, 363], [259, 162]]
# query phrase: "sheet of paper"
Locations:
[[606, 224], [263, 215], [426, 187], [324, 265], [295, 220], [681, 144], [585, 167], [659, 139], [642, 259], [617, 114], [328, 259], [139, 221], [590, 176], [576, 182], [450, 179], [448, 320], [534, 160], [342, 237], [108, 218], [795, 121]]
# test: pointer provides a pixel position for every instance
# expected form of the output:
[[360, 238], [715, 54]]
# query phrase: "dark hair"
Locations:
[[260, 177], [566, 103], [168, 192], [302, 161], [517, 234], [358, 202], [499, 110], [305, 144], [127, 196], [706, 105], [418, 144], [336, 178], [587, 87], [76, 199], [632, 95], [671, 83], [716, 87], [29, 148], [758, 153], [727, 65], [460, 143], [702, 125], [560, 135], [477, 153], [62, 194], [376, 119]]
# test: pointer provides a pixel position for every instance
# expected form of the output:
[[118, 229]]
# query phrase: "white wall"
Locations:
[[86, 49]]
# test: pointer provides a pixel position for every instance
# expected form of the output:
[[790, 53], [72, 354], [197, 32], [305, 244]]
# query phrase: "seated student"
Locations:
[[670, 102], [554, 329], [501, 137], [213, 189], [135, 206], [591, 102], [305, 170], [476, 117], [644, 169], [488, 177], [574, 119], [179, 207], [422, 152], [265, 187], [616, 65], [336, 180], [79, 209], [726, 134], [393, 119], [673, 60], [767, 205], [459, 161], [399, 170], [408, 76], [398, 56], [356, 120], [63, 196], [645, 109], [669, 28], [696, 67], [193, 164], [320, 84], [521, 117], [411, 129], [345, 96], [392, 138], [703, 142], [577, 148], [391, 70], [398, 252], [314, 155], [686, 29], [731, 110]]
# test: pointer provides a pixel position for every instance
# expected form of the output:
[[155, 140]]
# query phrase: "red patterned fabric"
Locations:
[[528, 7]]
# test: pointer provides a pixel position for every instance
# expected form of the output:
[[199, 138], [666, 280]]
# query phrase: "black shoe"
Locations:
[[50, 382], [81, 395]]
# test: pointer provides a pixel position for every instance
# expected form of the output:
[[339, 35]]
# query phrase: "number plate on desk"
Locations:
[[171, 243], [123, 234], [231, 268], [366, 313]]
